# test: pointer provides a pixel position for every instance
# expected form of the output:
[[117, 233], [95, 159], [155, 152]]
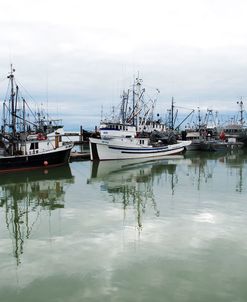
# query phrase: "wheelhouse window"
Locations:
[[34, 146]]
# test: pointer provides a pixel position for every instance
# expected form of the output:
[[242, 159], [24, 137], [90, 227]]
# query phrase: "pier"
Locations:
[[78, 138]]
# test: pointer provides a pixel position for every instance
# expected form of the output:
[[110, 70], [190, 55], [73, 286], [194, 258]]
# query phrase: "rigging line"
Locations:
[[24, 119], [30, 109], [150, 99], [2, 80], [184, 108], [7, 92], [25, 90], [155, 88], [17, 82]]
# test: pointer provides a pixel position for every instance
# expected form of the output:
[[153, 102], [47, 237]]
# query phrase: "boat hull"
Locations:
[[220, 146], [194, 146], [110, 150], [54, 157]]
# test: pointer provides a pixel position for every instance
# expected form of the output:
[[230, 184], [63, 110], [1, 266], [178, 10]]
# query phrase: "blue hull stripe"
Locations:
[[160, 149], [144, 151]]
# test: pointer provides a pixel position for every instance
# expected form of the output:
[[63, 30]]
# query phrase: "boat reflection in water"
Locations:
[[237, 165], [203, 165], [131, 182], [150, 185], [25, 195]]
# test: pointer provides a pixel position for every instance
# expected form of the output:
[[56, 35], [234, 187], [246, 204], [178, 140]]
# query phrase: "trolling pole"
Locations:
[[184, 119]]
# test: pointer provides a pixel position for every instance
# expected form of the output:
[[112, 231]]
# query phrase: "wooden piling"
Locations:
[[81, 135]]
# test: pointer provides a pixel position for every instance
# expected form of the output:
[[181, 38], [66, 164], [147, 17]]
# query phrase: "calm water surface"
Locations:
[[167, 230]]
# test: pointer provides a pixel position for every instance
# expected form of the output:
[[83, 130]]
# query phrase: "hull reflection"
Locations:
[[138, 184], [24, 195], [102, 169], [130, 182]]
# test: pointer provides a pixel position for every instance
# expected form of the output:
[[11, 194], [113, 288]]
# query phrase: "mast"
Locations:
[[138, 84], [172, 112], [124, 104], [199, 118], [24, 115], [3, 129], [12, 100], [12, 108], [241, 104], [122, 108], [133, 103]]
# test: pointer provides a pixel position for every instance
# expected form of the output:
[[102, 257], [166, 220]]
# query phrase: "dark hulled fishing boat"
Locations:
[[21, 146]]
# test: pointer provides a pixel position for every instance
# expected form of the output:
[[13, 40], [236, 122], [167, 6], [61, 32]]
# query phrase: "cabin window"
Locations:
[[34, 146], [141, 141]]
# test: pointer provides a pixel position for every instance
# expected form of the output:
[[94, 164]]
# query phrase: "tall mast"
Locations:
[[172, 114], [138, 84], [4, 117], [133, 110], [24, 115], [241, 104], [199, 118], [124, 105], [12, 100]]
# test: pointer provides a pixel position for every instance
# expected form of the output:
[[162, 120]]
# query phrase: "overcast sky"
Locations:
[[77, 56]]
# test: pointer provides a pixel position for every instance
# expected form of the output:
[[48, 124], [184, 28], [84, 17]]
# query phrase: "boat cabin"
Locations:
[[110, 130]]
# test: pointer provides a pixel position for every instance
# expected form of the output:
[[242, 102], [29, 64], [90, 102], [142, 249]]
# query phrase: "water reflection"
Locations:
[[203, 165], [140, 184], [131, 182], [237, 164], [24, 195]]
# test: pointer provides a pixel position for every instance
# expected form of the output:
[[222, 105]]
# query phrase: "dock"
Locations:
[[78, 138], [79, 156]]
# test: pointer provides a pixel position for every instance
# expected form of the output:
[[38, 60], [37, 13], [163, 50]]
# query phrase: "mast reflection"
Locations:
[[130, 182], [203, 165], [23, 194], [237, 164], [139, 184]]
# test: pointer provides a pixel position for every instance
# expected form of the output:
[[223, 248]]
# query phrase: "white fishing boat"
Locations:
[[135, 133], [134, 116], [127, 148]]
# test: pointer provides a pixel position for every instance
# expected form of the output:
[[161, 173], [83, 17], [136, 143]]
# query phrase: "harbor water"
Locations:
[[171, 229]]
